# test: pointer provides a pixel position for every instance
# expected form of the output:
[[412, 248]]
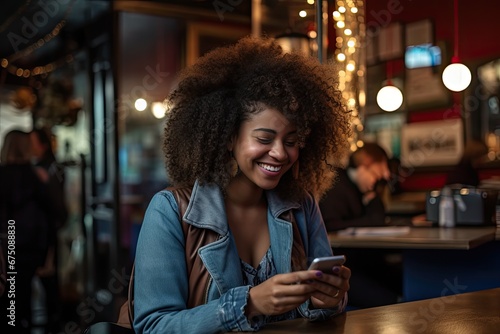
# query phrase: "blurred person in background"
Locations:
[[355, 200], [44, 157], [25, 205]]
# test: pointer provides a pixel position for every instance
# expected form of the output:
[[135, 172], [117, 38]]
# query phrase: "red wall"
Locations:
[[479, 22], [479, 41]]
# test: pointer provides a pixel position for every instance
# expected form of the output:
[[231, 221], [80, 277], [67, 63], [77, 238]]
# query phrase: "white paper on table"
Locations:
[[382, 230]]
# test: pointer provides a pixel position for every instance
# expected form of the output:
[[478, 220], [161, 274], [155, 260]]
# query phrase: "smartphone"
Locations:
[[325, 264]]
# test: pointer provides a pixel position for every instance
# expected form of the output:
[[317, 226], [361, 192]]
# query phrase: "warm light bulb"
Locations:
[[158, 109], [456, 77], [389, 98], [140, 104]]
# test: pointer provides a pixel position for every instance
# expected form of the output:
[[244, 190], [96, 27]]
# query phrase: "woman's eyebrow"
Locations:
[[265, 130], [273, 131]]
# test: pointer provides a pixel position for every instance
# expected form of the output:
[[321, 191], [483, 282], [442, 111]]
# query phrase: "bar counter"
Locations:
[[433, 256], [473, 312], [414, 237]]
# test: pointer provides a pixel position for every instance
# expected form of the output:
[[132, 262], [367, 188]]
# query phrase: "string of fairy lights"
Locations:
[[349, 53], [8, 62], [349, 24]]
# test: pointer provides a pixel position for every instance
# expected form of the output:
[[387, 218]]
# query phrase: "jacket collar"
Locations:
[[206, 207]]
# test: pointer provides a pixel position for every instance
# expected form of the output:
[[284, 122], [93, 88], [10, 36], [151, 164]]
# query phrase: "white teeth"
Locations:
[[270, 168]]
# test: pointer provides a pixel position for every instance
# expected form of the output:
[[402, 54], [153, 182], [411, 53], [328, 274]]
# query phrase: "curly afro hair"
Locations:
[[230, 84]]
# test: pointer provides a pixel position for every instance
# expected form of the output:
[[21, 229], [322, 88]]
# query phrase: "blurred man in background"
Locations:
[[356, 201]]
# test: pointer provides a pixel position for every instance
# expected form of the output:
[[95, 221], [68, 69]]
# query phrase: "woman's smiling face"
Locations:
[[265, 147]]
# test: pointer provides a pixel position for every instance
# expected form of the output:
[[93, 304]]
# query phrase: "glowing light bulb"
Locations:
[[140, 104], [158, 109], [456, 77], [389, 98]]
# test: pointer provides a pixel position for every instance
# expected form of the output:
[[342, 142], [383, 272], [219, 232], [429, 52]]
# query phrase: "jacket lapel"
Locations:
[[206, 209]]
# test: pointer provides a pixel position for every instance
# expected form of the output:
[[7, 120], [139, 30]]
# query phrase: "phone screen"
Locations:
[[326, 264]]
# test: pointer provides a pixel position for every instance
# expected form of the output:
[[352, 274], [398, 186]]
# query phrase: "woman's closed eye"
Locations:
[[264, 140]]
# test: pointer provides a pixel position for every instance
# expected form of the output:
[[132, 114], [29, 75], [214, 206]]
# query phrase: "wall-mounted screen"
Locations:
[[423, 55]]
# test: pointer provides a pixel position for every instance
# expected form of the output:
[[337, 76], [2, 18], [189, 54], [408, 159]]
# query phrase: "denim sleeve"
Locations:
[[322, 314], [161, 283], [233, 305]]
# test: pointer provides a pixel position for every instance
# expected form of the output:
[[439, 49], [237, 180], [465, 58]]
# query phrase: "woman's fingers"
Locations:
[[281, 293], [331, 288]]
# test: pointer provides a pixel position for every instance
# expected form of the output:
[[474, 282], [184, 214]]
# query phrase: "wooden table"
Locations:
[[434, 258], [418, 238], [474, 312]]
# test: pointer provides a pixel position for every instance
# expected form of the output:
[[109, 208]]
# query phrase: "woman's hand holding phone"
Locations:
[[282, 293], [332, 284]]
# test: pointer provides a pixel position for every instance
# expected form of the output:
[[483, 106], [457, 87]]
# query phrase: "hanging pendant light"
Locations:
[[389, 97], [456, 76]]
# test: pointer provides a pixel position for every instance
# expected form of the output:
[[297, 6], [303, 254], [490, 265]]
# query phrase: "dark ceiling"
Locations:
[[38, 33]]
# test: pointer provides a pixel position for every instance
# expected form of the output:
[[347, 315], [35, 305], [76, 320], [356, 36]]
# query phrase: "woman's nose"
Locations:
[[278, 152]]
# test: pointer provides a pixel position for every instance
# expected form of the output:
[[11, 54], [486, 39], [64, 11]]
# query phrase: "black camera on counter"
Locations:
[[473, 206]]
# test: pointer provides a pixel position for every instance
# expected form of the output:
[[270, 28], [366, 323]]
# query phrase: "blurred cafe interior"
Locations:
[[98, 73]]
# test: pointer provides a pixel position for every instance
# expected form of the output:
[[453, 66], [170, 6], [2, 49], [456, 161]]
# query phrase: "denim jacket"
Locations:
[[161, 283]]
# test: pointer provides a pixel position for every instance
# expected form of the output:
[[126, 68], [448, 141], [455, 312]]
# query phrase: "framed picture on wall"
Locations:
[[424, 86], [419, 32], [390, 42], [436, 143], [203, 37], [424, 89]]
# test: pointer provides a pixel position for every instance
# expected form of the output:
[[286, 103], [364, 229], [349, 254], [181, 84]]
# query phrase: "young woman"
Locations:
[[24, 211], [254, 134]]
